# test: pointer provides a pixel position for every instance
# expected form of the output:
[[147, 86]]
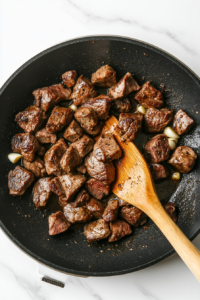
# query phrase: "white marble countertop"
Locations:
[[27, 28]]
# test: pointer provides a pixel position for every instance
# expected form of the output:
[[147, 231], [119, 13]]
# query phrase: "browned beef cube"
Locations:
[[87, 117], [53, 156], [19, 180], [84, 145], [98, 189], [69, 78], [59, 118], [124, 87], [119, 229], [122, 202], [95, 207], [25, 144], [82, 169], [111, 211], [158, 171], [63, 201], [83, 91], [73, 132], [37, 167], [56, 187], [183, 159], [97, 230], [99, 170], [133, 215], [41, 151], [70, 159], [45, 137], [41, 192], [128, 126], [47, 97], [149, 96], [96, 130], [156, 120], [104, 77], [182, 123], [81, 199], [122, 105], [106, 148], [71, 184], [58, 223], [157, 148], [77, 214], [101, 105], [171, 210], [31, 119]]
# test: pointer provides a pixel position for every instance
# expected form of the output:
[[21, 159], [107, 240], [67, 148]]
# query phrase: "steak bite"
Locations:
[[104, 77], [149, 96], [98, 189], [111, 211], [58, 223], [53, 156], [41, 151], [133, 215], [59, 118], [99, 170], [84, 145], [124, 87], [77, 214], [41, 192], [19, 180], [128, 126], [56, 187], [97, 230], [71, 184], [37, 167], [73, 132], [87, 117], [96, 130], [83, 91], [95, 207], [106, 148], [31, 119], [119, 229], [101, 105], [82, 169], [182, 123], [25, 144], [81, 199], [122, 105], [47, 97], [156, 120], [157, 148], [45, 137], [183, 159], [69, 78], [70, 159], [158, 171], [171, 210]]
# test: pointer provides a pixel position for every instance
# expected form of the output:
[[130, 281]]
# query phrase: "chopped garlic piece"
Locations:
[[73, 107], [14, 157], [176, 176], [169, 132], [173, 139], [142, 109], [172, 144]]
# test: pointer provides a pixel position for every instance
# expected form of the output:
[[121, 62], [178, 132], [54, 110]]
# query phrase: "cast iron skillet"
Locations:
[[69, 252]]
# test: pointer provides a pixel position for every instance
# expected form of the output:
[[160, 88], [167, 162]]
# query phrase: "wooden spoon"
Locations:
[[134, 184]]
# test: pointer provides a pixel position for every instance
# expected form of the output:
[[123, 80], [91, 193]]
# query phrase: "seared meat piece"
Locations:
[[149, 96], [124, 87], [81, 199], [97, 230], [119, 229], [53, 156], [128, 126], [41, 192], [95, 207], [96, 130], [41, 151], [122, 202], [69, 78], [84, 145], [37, 167], [99, 170], [73, 132], [156, 120], [19, 180], [98, 189], [101, 105], [47, 97], [104, 77], [106, 148], [56, 187], [158, 171], [25, 144], [77, 214], [59, 118], [87, 117], [111, 211], [182, 123], [31, 119], [58, 223], [171, 210], [70, 159], [82, 169], [71, 184], [63, 201], [122, 105], [183, 159], [83, 91], [45, 137], [133, 215], [157, 148]]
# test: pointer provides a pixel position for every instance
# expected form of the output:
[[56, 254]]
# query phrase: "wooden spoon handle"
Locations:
[[187, 251]]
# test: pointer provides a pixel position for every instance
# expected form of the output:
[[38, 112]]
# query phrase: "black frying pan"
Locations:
[[69, 252]]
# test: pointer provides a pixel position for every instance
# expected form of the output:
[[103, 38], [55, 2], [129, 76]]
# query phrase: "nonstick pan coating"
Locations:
[[69, 252]]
